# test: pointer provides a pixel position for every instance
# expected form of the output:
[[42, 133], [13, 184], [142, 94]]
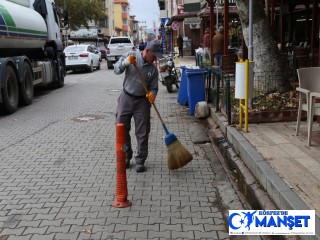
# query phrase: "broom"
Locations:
[[178, 155]]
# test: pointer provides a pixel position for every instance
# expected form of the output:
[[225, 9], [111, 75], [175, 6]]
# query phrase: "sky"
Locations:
[[145, 10]]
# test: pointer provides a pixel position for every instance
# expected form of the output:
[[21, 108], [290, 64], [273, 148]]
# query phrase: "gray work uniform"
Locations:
[[132, 102]]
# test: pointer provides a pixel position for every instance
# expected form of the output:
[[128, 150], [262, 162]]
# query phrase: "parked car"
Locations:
[[117, 47], [82, 57], [103, 51], [97, 51]]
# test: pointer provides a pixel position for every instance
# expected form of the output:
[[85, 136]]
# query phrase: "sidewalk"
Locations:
[[288, 170]]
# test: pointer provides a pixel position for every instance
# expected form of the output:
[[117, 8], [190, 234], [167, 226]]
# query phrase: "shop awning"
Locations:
[[181, 17]]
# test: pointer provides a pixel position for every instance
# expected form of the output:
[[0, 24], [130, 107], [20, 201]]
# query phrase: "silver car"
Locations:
[[82, 57]]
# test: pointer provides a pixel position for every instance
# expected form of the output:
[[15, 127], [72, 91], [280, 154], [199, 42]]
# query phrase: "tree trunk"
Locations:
[[269, 75]]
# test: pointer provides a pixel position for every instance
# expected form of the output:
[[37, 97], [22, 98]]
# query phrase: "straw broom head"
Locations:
[[178, 156]]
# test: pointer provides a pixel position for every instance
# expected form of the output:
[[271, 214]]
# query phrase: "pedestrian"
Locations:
[[206, 45], [142, 45], [180, 45], [217, 46], [134, 101]]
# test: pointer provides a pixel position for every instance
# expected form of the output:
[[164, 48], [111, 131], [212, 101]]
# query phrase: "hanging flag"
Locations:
[[154, 29]]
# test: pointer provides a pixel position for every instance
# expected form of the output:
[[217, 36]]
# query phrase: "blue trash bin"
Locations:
[[195, 87], [183, 92]]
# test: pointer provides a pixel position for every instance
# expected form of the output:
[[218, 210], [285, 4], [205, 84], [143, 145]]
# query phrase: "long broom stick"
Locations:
[[178, 155]]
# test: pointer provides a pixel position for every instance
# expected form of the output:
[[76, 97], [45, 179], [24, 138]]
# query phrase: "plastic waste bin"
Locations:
[[195, 87], [183, 93]]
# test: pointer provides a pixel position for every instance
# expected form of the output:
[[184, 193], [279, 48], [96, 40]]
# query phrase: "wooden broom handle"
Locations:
[[147, 91]]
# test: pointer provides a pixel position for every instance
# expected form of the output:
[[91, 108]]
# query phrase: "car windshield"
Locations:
[[75, 48], [120, 40]]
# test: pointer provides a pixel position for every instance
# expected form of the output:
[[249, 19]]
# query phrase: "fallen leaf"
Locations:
[[88, 230]]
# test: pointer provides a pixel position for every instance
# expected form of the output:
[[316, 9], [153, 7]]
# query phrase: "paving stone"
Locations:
[[35, 230], [67, 181]]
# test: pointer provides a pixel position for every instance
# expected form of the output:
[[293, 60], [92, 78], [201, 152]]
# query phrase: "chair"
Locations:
[[309, 88]]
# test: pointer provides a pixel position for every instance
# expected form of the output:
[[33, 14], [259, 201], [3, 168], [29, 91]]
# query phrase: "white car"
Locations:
[[96, 50], [117, 47], [82, 57]]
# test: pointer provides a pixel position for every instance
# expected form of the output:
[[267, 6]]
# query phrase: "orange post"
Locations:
[[121, 179]]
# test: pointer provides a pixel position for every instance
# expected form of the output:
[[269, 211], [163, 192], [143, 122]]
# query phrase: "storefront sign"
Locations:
[[192, 5], [193, 20]]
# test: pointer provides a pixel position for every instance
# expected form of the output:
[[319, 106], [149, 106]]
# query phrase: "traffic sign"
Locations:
[[175, 25]]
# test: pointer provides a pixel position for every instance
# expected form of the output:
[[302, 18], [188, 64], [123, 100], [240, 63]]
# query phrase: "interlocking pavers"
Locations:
[[35, 230], [67, 181]]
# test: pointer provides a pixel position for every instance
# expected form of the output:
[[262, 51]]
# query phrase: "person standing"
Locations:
[[142, 45], [134, 102], [206, 45], [180, 45], [217, 46]]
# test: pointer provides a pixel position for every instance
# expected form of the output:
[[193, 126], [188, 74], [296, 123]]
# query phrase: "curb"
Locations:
[[244, 157]]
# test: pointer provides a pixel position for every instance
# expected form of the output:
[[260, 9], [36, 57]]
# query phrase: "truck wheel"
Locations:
[[26, 86], [168, 83], [10, 90], [60, 82]]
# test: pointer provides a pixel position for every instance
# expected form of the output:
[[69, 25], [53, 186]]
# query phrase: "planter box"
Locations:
[[268, 116]]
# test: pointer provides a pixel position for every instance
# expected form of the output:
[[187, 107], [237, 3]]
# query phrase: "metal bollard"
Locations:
[[228, 99]]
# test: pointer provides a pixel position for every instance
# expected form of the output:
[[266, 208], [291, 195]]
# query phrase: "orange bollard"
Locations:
[[121, 179]]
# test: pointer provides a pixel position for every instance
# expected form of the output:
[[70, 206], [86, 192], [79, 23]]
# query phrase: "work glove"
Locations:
[[150, 97], [131, 59]]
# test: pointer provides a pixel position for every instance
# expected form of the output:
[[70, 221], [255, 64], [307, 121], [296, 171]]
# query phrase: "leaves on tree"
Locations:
[[81, 12]]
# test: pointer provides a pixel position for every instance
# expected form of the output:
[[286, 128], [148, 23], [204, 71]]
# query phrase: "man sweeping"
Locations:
[[134, 101]]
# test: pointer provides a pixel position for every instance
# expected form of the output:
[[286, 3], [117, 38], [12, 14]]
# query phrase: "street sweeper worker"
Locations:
[[134, 101]]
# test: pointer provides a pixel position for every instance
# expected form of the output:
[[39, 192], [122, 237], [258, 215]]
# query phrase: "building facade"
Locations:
[[121, 18]]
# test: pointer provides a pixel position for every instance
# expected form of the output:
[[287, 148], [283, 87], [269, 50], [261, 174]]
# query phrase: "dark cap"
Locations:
[[155, 47]]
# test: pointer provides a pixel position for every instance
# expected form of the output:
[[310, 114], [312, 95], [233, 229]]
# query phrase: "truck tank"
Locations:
[[22, 30]]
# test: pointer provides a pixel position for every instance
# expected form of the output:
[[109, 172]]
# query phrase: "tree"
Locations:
[[80, 12], [268, 71]]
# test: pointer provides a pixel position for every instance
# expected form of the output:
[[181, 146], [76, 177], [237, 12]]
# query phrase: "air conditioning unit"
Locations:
[[194, 26]]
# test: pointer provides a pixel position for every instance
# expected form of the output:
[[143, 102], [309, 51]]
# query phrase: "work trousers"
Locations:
[[139, 109], [217, 59], [180, 52]]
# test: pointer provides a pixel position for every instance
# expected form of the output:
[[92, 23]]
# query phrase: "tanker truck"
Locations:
[[31, 50]]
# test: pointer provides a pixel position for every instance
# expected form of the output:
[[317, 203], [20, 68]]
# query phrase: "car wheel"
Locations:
[[91, 67], [99, 66], [109, 65]]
